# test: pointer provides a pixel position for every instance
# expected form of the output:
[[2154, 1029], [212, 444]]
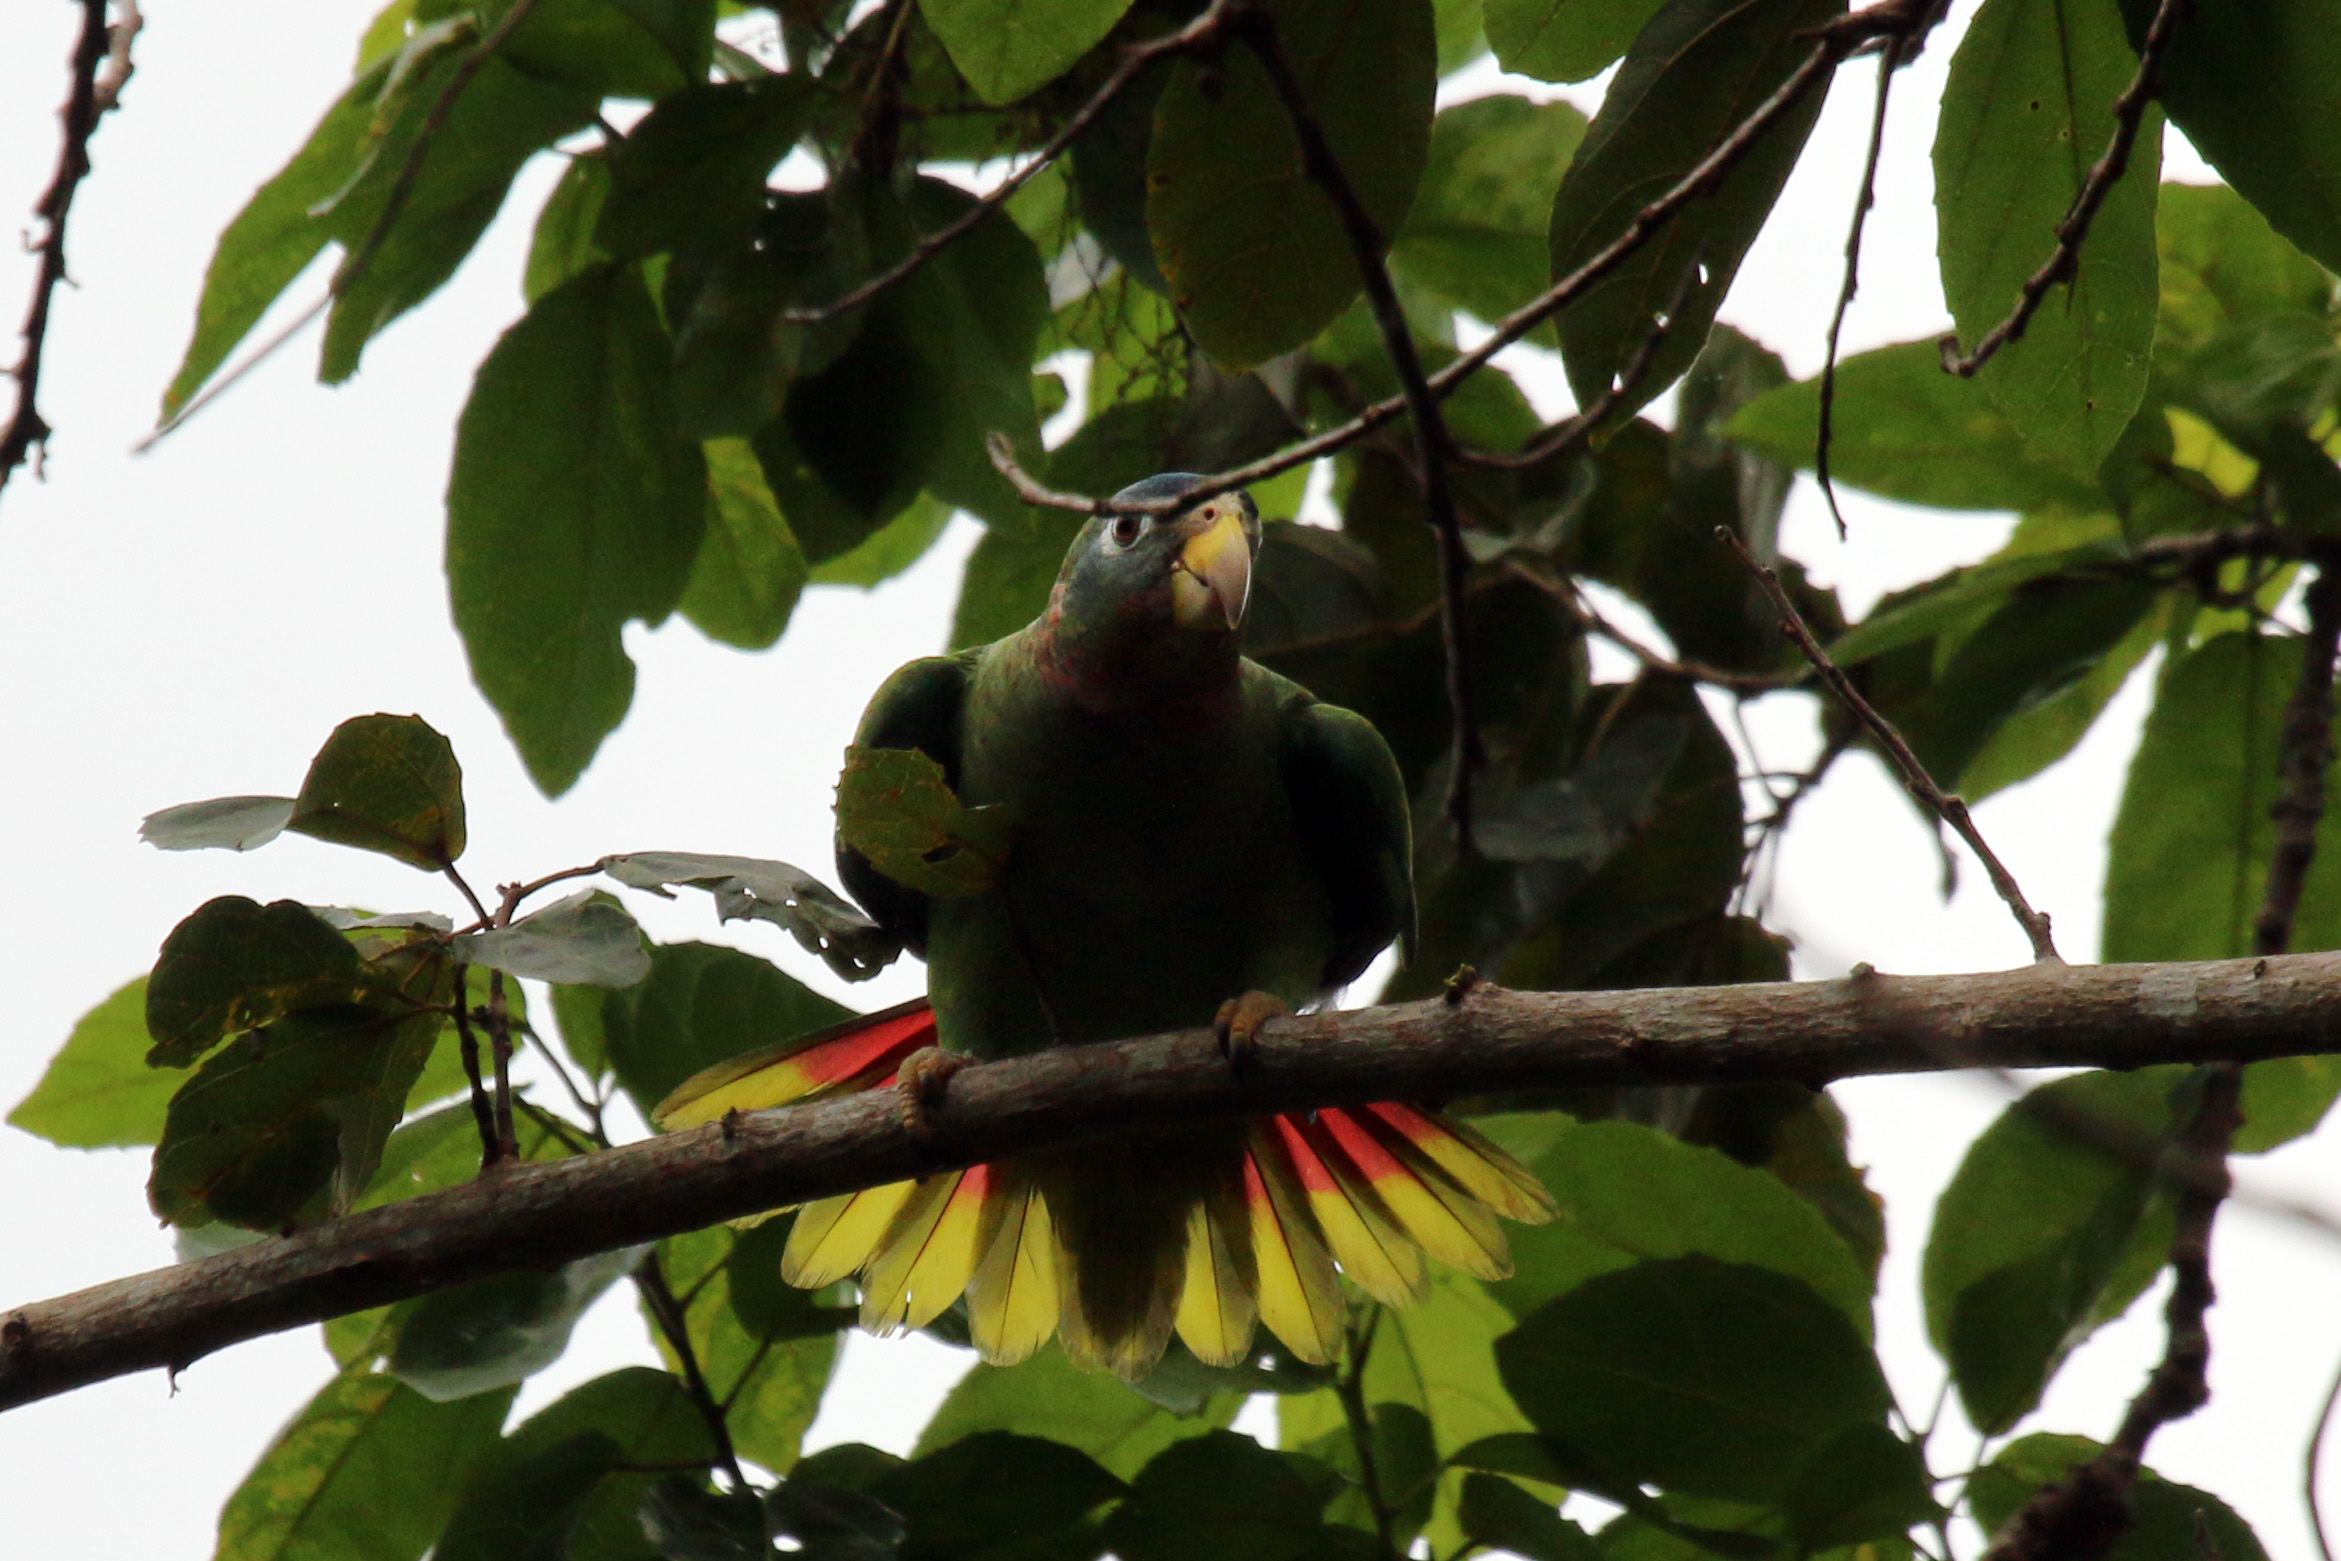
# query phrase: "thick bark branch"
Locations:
[[1493, 1040]]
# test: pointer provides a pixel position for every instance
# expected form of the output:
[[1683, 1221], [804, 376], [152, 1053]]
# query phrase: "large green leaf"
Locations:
[[1001, 1496], [767, 1348], [573, 508], [2027, 111], [1005, 48], [701, 1004], [695, 165], [368, 1471], [1904, 429], [1629, 1193], [2026, 1258], [99, 1091], [745, 582], [2168, 1521], [618, 48], [2252, 84], [1477, 231], [2188, 859], [235, 964], [2223, 266], [386, 783], [1697, 70], [1704, 1377], [1564, 40], [565, 1484], [1220, 1495], [1254, 254], [1090, 1410]]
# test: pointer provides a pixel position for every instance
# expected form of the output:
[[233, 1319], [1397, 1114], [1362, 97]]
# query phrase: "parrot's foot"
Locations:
[[1238, 1026], [919, 1083]]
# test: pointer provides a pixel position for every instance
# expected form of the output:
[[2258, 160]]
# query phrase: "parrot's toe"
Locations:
[[919, 1085], [1238, 1025]]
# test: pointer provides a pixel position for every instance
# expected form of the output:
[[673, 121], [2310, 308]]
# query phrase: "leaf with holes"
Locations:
[[895, 807]]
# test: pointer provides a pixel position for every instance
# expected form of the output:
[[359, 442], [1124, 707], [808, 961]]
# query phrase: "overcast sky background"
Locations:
[[192, 622]]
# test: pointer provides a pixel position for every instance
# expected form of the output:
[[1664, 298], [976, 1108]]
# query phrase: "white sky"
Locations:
[[192, 623]]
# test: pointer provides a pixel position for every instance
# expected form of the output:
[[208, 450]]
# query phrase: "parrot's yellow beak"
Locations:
[[1211, 580]]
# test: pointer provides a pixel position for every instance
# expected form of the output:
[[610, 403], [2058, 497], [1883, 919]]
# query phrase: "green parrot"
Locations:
[[1195, 840]]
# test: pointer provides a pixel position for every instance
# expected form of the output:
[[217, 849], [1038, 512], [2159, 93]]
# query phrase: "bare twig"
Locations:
[[2306, 746], [538, 1214], [1204, 31], [675, 1328], [1950, 809], [1350, 1388], [483, 1112], [87, 97], [2310, 1471], [1431, 442], [1889, 59], [1573, 602], [2064, 262]]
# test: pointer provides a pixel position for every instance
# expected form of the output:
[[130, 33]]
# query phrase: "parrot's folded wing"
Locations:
[[839, 1060]]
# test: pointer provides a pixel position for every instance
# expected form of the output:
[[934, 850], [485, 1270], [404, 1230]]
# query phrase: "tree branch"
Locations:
[[2064, 262], [1921, 786], [535, 1215], [86, 99]]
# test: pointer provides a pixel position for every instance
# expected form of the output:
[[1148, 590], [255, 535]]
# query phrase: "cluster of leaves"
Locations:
[[678, 422]]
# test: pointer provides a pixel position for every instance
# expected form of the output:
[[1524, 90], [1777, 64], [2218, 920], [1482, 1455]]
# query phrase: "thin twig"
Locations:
[[235, 376], [1204, 31], [2309, 1473], [667, 1313], [1889, 59], [27, 430], [1573, 602], [2064, 262], [879, 135], [483, 1114], [1350, 1388], [1431, 441], [1950, 809]]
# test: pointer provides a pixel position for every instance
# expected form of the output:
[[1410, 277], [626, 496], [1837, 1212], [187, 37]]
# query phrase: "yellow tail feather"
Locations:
[[1299, 1300], [927, 1255], [1216, 1309], [1012, 1299], [1370, 1248], [836, 1236]]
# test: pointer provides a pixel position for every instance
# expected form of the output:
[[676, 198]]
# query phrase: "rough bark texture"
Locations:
[[1491, 1041]]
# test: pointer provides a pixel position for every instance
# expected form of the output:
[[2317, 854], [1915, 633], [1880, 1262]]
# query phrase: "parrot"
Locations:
[[1195, 841]]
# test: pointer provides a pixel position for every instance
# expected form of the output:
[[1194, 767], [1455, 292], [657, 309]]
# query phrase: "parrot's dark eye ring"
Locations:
[[1128, 529]]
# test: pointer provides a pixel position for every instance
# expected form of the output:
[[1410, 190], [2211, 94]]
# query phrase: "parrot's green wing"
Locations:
[[919, 707], [1350, 804]]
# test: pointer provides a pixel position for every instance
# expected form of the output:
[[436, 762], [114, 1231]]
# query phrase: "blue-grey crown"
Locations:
[[1162, 485]]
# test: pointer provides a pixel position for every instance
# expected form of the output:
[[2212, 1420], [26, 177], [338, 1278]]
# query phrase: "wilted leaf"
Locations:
[[232, 823], [895, 807], [822, 921], [573, 508], [586, 939], [386, 783], [368, 1470]]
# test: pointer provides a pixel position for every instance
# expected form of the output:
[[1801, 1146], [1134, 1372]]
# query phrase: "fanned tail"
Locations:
[[1112, 1248]]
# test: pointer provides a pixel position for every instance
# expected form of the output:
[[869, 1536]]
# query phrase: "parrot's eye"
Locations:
[[1128, 529]]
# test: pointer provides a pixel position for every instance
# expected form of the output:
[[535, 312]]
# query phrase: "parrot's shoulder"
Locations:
[[920, 706]]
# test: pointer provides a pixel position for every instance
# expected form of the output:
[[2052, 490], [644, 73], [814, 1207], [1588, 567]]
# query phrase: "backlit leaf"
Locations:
[[587, 939], [99, 1092], [1564, 40], [230, 823], [895, 807], [1005, 48], [749, 572]]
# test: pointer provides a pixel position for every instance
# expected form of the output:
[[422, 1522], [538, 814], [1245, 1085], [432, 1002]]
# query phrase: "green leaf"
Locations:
[[1001, 1495], [2223, 266], [697, 162], [685, 1521], [503, 116], [2253, 87], [273, 239], [857, 440], [889, 550], [573, 508], [234, 965], [745, 583], [587, 939], [368, 1471], [386, 783], [1502, 1516], [618, 48], [99, 1092], [557, 1488], [1952, 604], [2284, 1098], [2050, 727], [1866, 1484], [2169, 1522], [495, 1331], [821, 920], [2188, 858], [1477, 231], [1701, 1376], [1088, 1410], [1697, 70], [895, 807], [222, 823], [1006, 48], [1564, 40], [1629, 1193], [280, 1116], [1904, 429], [700, 1005], [2027, 111], [1221, 1495], [563, 245], [2031, 1232], [1253, 251], [766, 1347]]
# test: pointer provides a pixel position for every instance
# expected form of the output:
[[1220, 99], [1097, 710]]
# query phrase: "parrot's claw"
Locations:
[[919, 1084], [1237, 1028]]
